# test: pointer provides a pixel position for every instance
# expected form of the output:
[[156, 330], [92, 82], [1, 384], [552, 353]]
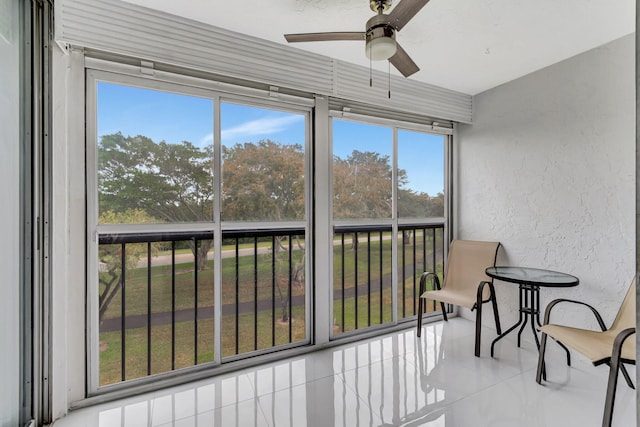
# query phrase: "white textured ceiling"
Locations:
[[464, 45]]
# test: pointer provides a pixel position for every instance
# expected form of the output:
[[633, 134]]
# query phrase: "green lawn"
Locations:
[[136, 343]]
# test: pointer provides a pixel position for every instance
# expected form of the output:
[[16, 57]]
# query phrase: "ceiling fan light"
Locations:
[[381, 48], [380, 39]]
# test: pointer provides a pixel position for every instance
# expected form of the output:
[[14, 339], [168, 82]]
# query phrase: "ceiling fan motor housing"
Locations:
[[380, 20], [380, 31], [380, 38]]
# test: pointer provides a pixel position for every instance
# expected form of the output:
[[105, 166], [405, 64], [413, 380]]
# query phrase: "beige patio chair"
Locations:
[[465, 282], [608, 346]]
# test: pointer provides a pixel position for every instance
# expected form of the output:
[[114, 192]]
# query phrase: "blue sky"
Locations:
[[421, 155], [158, 115], [175, 118]]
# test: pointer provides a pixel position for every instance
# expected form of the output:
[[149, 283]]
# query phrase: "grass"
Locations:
[[137, 344]]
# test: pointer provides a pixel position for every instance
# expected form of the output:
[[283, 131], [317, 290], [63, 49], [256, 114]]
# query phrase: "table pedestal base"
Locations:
[[529, 302]]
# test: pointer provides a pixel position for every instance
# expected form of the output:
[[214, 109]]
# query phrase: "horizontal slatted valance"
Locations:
[[121, 28]]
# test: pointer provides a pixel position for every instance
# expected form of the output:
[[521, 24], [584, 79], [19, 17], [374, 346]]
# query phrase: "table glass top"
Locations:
[[535, 276]]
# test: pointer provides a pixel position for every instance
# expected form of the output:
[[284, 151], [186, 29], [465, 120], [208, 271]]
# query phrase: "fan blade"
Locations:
[[404, 11], [403, 63], [320, 37]]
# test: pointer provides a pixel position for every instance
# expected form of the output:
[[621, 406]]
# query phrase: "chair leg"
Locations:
[[615, 364], [607, 417], [421, 301], [541, 371], [478, 308], [444, 311], [478, 328], [494, 303], [626, 376], [566, 351]]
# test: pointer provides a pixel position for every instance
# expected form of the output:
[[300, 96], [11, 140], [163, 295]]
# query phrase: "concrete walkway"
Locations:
[[205, 313]]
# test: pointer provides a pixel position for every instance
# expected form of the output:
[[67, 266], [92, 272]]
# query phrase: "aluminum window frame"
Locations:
[[141, 77], [394, 221]]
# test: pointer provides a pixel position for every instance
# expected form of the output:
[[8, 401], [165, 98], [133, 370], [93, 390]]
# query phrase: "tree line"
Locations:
[[142, 181]]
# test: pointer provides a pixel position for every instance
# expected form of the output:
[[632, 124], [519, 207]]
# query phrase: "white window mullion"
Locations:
[[394, 235], [217, 234], [323, 280], [308, 235], [92, 233]]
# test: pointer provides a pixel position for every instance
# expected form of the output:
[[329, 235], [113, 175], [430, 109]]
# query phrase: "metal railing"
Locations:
[[421, 248], [157, 298], [273, 272], [363, 264]]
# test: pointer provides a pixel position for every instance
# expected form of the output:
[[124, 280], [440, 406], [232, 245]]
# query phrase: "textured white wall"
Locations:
[[9, 215], [548, 169]]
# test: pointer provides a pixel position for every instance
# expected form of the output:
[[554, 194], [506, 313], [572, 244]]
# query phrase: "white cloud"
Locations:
[[260, 127], [206, 140]]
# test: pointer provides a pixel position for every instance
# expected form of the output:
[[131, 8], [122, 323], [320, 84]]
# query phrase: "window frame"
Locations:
[[103, 71], [394, 222]]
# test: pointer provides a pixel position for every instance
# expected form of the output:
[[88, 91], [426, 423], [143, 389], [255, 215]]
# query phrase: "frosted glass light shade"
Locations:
[[380, 48]]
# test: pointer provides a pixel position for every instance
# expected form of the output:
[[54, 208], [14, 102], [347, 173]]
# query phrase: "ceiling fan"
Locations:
[[379, 34]]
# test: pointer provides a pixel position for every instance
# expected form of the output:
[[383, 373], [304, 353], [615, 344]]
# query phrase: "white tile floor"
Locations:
[[393, 380]]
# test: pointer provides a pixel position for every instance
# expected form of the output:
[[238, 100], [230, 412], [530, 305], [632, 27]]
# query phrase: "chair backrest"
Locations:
[[466, 263], [626, 317]]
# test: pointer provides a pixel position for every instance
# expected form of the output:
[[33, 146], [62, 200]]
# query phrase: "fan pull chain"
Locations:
[[370, 68], [389, 74]]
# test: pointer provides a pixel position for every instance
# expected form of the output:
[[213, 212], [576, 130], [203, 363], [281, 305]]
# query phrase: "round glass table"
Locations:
[[529, 280]]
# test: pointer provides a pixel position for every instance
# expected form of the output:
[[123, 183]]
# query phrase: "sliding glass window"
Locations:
[[421, 214], [197, 216], [264, 272], [388, 220]]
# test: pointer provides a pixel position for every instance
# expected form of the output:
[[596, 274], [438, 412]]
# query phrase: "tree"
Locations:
[[362, 189], [170, 182], [263, 182], [419, 204], [362, 185]]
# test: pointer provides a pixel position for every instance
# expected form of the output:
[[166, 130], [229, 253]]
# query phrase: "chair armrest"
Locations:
[[547, 312], [480, 290], [619, 341], [622, 336], [423, 281]]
